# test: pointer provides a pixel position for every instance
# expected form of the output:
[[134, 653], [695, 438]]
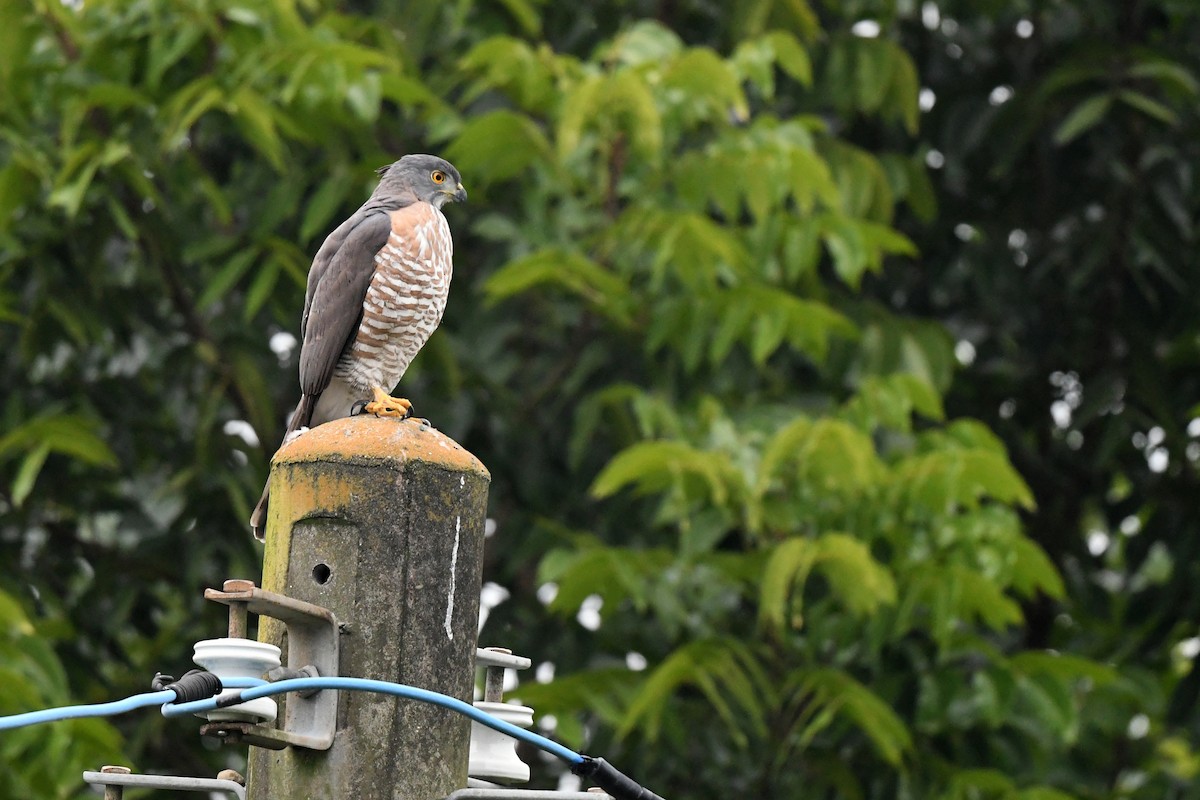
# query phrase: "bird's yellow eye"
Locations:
[[438, 176]]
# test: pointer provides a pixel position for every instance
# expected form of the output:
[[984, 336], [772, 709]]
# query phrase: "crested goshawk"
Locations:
[[376, 291]]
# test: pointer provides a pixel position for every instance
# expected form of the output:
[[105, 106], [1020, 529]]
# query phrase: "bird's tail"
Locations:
[[300, 419]]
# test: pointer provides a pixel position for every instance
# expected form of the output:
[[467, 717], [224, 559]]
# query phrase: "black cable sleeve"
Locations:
[[229, 700], [612, 780], [197, 684]]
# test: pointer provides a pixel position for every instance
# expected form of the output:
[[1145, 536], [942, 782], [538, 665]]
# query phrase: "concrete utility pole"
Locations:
[[380, 521]]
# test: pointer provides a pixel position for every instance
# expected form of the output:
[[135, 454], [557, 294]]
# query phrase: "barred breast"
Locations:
[[405, 300]]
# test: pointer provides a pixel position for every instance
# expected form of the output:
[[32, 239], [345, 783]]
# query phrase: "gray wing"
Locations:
[[325, 255], [337, 286]]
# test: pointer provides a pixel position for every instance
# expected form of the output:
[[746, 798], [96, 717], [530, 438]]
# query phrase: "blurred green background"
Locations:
[[835, 364]]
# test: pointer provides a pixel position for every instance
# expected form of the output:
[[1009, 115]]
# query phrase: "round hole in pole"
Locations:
[[321, 573]]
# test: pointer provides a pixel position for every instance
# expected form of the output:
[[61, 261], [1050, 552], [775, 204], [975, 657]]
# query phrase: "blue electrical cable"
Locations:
[[197, 683], [382, 687], [91, 710], [108, 709]]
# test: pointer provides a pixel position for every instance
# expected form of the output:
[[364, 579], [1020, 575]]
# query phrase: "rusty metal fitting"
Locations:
[[493, 677], [237, 609], [114, 792]]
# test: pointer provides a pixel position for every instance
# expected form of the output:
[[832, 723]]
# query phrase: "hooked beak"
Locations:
[[461, 195]]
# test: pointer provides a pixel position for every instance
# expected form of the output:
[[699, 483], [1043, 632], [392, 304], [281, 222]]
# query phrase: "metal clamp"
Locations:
[[312, 645], [114, 779], [496, 661]]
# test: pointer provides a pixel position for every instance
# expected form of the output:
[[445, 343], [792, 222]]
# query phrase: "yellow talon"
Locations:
[[384, 405]]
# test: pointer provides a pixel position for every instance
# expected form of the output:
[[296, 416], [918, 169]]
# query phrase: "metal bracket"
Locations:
[[312, 640], [495, 661], [172, 782]]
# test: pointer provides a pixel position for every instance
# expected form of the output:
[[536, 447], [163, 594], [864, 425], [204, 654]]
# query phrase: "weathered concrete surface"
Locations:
[[380, 521]]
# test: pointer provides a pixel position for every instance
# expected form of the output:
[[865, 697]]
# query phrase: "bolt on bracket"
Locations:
[[495, 661]]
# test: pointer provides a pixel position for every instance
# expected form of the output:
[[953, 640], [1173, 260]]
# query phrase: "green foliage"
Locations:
[[32, 678], [690, 337], [726, 674], [65, 434], [1068, 266], [815, 509], [828, 695], [859, 583]]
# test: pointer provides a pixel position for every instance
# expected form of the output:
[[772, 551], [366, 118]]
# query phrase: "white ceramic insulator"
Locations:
[[239, 658], [494, 754]]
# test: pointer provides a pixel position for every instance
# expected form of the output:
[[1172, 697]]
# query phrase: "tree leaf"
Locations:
[[68, 434], [525, 15], [859, 581], [1033, 571], [1167, 73], [261, 288], [1148, 106], [615, 574], [321, 206], [567, 270], [903, 91], [498, 145], [254, 116], [31, 465], [942, 481], [1084, 117], [788, 566], [873, 72], [226, 278], [719, 669], [645, 41], [364, 95], [791, 56], [1064, 667], [701, 78], [847, 698], [827, 454], [655, 466], [188, 105]]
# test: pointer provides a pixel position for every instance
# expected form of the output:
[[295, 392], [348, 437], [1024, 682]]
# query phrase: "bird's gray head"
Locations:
[[429, 178]]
